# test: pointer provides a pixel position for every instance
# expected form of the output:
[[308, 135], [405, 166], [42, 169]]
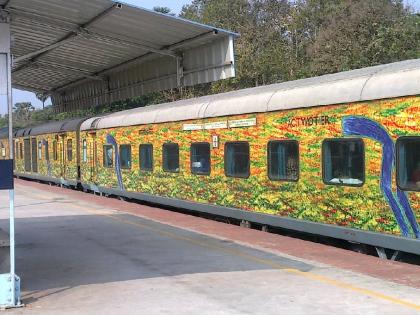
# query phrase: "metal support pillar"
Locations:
[[383, 255], [9, 283], [381, 252], [245, 224], [180, 71]]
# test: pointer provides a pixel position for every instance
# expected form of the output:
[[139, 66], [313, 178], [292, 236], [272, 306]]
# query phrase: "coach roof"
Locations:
[[52, 127], [378, 82], [4, 133]]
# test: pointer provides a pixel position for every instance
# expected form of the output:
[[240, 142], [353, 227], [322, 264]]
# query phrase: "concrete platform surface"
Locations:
[[82, 254]]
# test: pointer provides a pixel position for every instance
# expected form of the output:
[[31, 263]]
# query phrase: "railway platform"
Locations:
[[83, 254]]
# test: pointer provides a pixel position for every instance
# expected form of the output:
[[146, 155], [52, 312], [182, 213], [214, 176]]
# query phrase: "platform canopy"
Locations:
[[87, 53]]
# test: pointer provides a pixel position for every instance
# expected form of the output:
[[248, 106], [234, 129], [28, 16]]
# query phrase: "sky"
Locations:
[[175, 5]]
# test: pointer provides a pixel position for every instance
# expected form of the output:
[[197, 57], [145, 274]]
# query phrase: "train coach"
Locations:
[[49, 152], [337, 155], [4, 143]]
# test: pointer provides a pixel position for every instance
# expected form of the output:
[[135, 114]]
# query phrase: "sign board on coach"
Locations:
[[6, 174]]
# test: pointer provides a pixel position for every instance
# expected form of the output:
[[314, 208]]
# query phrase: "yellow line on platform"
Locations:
[[272, 264]]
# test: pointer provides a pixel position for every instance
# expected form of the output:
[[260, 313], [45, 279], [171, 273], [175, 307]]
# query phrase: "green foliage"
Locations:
[[22, 113], [357, 34], [164, 10], [284, 40], [42, 97], [3, 121]]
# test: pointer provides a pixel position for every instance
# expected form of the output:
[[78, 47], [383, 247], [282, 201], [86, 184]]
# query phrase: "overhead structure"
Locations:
[[89, 53], [372, 83]]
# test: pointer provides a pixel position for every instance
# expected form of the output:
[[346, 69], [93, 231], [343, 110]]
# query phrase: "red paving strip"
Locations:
[[387, 270]]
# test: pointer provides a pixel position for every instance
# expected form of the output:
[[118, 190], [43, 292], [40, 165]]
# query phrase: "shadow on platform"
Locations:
[[58, 253]]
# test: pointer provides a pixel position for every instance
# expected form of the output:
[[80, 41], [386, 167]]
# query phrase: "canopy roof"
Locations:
[[87, 53], [379, 82]]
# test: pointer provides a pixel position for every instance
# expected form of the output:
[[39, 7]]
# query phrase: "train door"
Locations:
[[2, 150], [68, 154], [27, 154], [34, 150], [94, 161], [60, 154], [63, 156]]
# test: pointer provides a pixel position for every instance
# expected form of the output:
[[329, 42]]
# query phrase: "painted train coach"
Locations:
[[4, 143], [49, 152], [337, 155]]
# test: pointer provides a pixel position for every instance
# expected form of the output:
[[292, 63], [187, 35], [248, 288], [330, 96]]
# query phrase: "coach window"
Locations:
[[39, 150], [69, 150], [55, 151], [146, 157], [21, 150], [237, 159], [200, 158], [3, 150], [170, 157], [108, 156], [408, 162], [343, 162], [84, 150], [125, 156], [283, 160], [47, 154]]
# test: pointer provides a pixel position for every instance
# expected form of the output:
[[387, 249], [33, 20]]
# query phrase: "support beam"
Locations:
[[193, 40], [69, 37], [102, 15], [180, 71], [6, 5], [43, 50]]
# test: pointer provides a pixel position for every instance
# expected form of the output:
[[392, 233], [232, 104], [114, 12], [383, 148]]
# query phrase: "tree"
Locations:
[[286, 40], [261, 46], [4, 121], [42, 97], [360, 33], [22, 114], [164, 10]]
